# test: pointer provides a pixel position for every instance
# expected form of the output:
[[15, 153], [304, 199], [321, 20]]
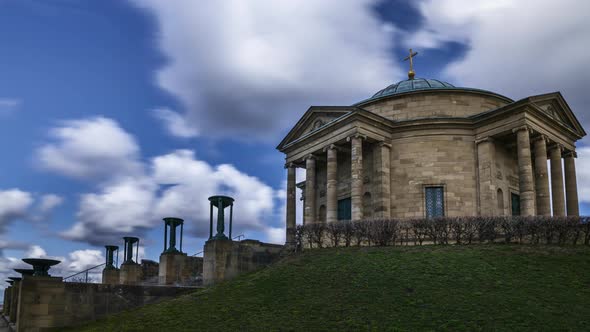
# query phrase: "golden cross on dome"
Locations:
[[411, 73]]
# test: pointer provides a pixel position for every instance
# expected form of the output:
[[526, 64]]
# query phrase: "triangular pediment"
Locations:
[[314, 119], [555, 106]]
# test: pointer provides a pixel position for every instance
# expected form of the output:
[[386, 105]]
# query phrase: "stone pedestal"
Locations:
[[14, 301], [225, 259], [217, 261], [110, 276], [41, 304], [7, 301], [130, 274], [173, 269]]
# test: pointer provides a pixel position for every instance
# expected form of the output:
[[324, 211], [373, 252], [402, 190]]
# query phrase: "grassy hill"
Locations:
[[479, 287]]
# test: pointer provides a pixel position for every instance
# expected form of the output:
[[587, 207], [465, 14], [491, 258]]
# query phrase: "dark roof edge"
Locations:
[[447, 89]]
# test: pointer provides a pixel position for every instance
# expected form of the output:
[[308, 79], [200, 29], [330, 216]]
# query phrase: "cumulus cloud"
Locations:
[[49, 202], [517, 48], [14, 204], [35, 251], [88, 148], [250, 69], [175, 123], [173, 184]]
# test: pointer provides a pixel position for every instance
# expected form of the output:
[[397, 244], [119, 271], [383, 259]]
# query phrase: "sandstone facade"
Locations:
[[434, 151]]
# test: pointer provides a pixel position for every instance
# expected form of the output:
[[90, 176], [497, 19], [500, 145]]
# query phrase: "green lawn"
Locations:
[[479, 287]]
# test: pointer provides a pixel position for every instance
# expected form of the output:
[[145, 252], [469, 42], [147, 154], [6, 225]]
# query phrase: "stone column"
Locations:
[[382, 199], [486, 161], [571, 186], [310, 210], [291, 205], [332, 184], [542, 177], [356, 191], [557, 180], [525, 171]]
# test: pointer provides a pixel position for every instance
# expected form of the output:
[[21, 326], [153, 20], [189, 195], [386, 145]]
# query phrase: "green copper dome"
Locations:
[[412, 85], [422, 84]]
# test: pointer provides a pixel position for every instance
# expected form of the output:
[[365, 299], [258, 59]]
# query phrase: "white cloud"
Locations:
[[14, 204], [49, 202], [175, 184], [517, 48], [80, 260], [89, 148], [249, 69], [175, 123], [35, 251], [121, 207], [8, 105]]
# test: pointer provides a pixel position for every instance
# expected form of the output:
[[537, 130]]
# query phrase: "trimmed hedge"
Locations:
[[447, 230]]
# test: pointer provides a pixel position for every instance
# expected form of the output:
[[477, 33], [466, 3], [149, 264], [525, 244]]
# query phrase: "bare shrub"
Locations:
[[334, 232], [347, 232]]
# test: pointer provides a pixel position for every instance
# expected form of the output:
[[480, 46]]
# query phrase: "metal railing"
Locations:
[[85, 276], [239, 237]]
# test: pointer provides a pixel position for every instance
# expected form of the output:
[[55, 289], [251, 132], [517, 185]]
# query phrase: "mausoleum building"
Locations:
[[426, 148]]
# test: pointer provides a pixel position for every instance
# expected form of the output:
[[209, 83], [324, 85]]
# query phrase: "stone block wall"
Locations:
[[435, 158], [434, 104], [226, 259], [179, 269], [48, 303]]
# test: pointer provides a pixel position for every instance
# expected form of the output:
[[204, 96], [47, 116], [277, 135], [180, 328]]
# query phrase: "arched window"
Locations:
[[500, 198]]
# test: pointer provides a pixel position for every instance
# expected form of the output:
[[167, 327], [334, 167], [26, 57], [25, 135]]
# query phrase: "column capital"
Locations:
[[331, 147], [290, 165], [310, 156], [570, 154], [384, 144], [357, 135], [540, 137], [523, 127], [484, 140], [556, 146]]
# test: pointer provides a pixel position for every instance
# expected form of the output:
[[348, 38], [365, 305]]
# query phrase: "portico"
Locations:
[[424, 148]]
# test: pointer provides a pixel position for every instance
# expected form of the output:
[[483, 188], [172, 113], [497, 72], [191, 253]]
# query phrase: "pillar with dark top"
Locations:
[[557, 194], [542, 177], [571, 186], [525, 171]]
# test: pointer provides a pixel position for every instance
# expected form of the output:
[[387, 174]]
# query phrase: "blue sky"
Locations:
[[116, 113]]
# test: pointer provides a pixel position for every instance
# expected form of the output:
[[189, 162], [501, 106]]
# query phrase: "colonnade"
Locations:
[[534, 186], [381, 196]]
